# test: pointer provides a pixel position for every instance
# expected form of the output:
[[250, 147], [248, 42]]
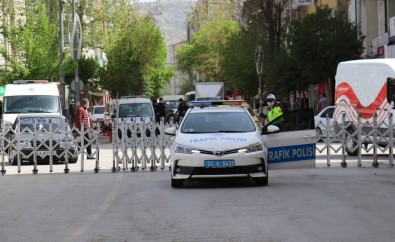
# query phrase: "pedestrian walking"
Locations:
[[82, 117]]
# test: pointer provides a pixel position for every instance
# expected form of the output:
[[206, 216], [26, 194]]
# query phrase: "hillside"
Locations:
[[172, 18]]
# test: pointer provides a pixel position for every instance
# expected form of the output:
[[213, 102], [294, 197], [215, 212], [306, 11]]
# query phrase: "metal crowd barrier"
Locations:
[[139, 145], [366, 138], [63, 145], [136, 145]]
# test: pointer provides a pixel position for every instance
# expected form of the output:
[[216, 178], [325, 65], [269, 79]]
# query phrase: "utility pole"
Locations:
[[75, 46], [259, 69], [61, 51]]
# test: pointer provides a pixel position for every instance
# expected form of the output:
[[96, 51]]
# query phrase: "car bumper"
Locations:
[[44, 155], [251, 165]]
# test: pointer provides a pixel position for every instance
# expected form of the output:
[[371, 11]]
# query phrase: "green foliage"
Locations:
[[204, 54], [35, 47], [136, 54], [133, 45], [238, 62], [316, 45]]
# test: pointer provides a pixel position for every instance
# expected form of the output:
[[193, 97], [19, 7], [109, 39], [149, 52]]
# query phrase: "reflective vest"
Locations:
[[273, 113]]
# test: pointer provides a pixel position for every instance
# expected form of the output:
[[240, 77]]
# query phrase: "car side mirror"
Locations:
[[270, 129], [171, 131]]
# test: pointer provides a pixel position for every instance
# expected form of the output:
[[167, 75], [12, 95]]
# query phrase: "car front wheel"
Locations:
[[351, 143], [73, 160], [176, 183], [318, 134], [262, 181]]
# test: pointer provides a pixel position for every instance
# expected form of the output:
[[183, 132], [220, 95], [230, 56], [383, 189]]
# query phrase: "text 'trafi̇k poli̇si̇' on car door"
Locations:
[[293, 144]]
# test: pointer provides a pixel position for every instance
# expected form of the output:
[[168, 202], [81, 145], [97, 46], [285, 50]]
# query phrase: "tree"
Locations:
[[34, 45], [317, 44], [265, 19], [238, 62], [204, 54], [136, 54]]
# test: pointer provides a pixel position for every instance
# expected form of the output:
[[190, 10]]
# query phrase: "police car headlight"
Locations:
[[185, 150], [252, 148]]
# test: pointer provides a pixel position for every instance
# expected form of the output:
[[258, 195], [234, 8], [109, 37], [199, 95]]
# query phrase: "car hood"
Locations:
[[211, 141]]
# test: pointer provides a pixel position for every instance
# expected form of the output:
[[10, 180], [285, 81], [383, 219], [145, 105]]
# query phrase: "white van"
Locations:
[[30, 96], [134, 107], [364, 88]]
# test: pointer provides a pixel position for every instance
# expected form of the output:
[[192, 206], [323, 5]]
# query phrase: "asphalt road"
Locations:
[[321, 204]]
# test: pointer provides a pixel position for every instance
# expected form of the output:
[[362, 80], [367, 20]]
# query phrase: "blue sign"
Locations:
[[291, 153]]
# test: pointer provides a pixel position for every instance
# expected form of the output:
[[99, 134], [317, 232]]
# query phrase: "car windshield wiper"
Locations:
[[191, 131], [35, 111], [229, 131], [13, 112]]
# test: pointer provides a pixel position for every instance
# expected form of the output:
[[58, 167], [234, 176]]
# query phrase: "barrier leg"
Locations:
[[3, 171]]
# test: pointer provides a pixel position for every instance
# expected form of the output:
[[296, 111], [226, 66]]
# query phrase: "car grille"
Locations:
[[223, 152], [41, 145], [187, 170]]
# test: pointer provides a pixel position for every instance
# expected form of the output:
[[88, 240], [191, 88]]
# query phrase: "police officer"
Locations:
[[274, 110]]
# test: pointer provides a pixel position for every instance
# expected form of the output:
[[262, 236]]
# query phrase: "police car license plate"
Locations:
[[219, 163]]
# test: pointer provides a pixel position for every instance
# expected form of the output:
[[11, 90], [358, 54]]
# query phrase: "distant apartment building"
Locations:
[[179, 78]]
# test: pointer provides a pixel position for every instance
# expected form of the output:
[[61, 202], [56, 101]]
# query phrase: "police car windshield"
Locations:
[[218, 122], [31, 104]]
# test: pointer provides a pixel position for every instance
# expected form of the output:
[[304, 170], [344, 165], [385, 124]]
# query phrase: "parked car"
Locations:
[[97, 113], [29, 138], [320, 123]]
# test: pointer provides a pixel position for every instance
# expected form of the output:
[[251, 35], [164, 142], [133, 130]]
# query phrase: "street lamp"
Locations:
[[259, 69]]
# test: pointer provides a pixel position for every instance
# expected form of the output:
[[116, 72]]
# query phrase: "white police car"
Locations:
[[224, 142]]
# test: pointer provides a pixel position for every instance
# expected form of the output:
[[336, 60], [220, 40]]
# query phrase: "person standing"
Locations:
[[82, 117], [72, 112], [182, 109], [156, 110], [161, 109], [323, 102], [274, 110], [285, 105], [304, 102]]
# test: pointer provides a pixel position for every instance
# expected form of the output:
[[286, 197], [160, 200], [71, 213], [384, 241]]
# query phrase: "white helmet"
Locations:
[[271, 96]]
